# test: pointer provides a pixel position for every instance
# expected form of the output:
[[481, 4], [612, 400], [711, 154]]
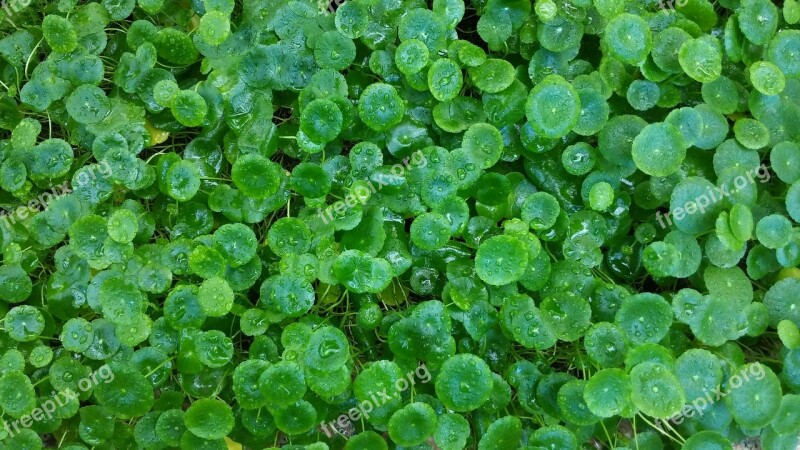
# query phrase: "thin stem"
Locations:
[[31, 56], [159, 366]]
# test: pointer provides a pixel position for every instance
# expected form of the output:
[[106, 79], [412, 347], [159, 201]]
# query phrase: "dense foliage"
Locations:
[[374, 224]]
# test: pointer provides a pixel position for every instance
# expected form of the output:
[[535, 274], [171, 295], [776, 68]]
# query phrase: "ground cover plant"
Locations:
[[399, 224]]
